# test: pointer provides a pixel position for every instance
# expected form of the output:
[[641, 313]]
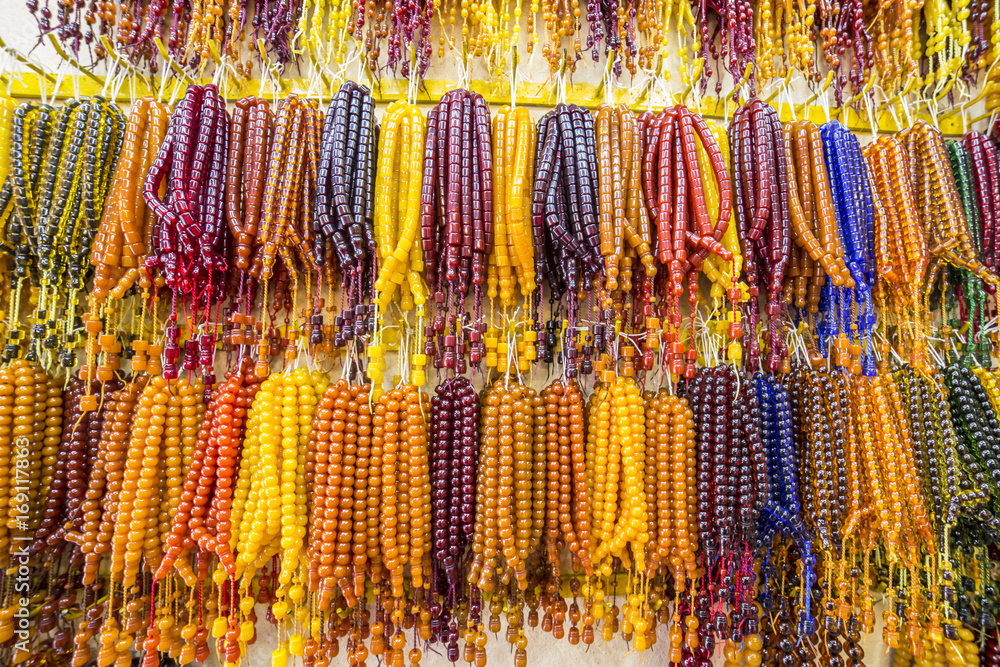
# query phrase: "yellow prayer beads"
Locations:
[[512, 258], [397, 207], [619, 498]]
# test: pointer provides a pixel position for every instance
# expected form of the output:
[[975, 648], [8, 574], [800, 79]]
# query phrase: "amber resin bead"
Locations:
[[485, 540], [392, 528], [326, 492], [139, 482], [63, 492], [419, 489], [51, 430], [553, 473], [7, 390], [25, 457]]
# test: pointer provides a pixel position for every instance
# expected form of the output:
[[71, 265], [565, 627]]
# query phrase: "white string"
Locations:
[[43, 88], [218, 72], [993, 116], [276, 71], [355, 56], [706, 341], [76, 87], [268, 71], [313, 89], [123, 76], [891, 108], [934, 354], [109, 75], [561, 82], [509, 346], [462, 66], [659, 96], [892, 348], [404, 352], [906, 110], [299, 36], [362, 75], [263, 78], [163, 86], [411, 85], [302, 350], [872, 122], [339, 71], [650, 85], [7, 69], [347, 362], [932, 109], [696, 97], [175, 92], [234, 73]]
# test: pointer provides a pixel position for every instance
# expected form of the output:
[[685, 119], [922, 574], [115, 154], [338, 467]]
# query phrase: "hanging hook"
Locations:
[[169, 59], [812, 98], [984, 91], [118, 58], [872, 121]]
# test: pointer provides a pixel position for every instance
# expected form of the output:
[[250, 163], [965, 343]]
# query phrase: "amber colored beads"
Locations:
[[340, 443]]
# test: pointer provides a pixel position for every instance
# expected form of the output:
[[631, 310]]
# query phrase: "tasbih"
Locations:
[[672, 184], [564, 209], [187, 243], [847, 47], [851, 186], [761, 207], [346, 206], [813, 218], [61, 165], [839, 460], [464, 225], [398, 214]]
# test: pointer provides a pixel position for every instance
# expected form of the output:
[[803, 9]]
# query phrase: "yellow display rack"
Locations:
[[31, 85]]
